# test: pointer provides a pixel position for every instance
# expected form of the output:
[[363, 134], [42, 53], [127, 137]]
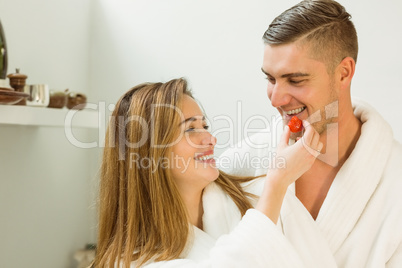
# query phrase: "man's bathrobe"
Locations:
[[252, 241], [360, 220]]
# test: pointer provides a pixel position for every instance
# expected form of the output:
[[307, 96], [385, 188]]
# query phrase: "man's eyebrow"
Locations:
[[192, 119], [265, 72], [294, 75], [298, 74]]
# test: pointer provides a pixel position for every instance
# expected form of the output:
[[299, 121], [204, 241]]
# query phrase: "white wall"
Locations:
[[217, 46], [49, 41], [380, 56], [45, 182]]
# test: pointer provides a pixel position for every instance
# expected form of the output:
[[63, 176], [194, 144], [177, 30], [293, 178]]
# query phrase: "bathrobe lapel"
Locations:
[[198, 245], [221, 214], [357, 179], [220, 217], [300, 229]]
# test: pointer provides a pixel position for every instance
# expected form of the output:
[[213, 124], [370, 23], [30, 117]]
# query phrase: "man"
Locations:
[[351, 194]]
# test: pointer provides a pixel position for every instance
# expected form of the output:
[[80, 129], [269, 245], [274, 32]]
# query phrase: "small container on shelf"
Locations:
[[58, 99], [76, 101], [17, 82], [38, 95]]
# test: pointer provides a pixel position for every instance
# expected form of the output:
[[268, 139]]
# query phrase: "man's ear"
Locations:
[[346, 70]]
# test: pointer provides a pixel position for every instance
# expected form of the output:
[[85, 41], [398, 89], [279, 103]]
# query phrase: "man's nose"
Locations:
[[279, 95]]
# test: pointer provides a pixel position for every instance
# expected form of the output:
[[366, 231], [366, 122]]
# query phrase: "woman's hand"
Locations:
[[298, 158]]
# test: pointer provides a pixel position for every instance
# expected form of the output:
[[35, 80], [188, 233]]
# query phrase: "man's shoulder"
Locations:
[[397, 147], [394, 163], [391, 183]]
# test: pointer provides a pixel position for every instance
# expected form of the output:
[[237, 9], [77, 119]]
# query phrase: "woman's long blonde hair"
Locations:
[[141, 214]]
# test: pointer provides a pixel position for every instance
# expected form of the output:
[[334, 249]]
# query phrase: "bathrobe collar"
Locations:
[[221, 215], [357, 179]]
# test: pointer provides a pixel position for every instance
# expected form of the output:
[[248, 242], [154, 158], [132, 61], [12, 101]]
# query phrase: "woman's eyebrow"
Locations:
[[193, 118]]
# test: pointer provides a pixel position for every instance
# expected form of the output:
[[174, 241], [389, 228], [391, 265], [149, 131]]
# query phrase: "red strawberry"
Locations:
[[295, 124]]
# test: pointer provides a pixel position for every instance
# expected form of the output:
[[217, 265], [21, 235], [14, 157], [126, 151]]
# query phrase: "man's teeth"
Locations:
[[205, 157], [295, 111]]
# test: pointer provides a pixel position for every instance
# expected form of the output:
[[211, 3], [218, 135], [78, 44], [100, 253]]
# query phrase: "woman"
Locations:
[[163, 203]]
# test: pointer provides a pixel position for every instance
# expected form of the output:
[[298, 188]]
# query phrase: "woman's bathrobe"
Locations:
[[360, 220], [252, 241]]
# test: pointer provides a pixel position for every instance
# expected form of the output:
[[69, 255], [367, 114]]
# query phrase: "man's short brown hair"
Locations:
[[323, 25]]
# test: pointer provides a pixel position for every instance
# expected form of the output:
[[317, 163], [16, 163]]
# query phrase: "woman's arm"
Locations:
[[298, 158], [255, 242], [396, 259]]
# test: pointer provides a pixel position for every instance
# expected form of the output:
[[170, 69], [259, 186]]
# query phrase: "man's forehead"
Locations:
[[289, 60]]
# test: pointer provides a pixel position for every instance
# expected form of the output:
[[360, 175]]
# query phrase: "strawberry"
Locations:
[[295, 124]]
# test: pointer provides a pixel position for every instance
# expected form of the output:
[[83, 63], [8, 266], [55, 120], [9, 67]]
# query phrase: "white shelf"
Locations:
[[42, 116]]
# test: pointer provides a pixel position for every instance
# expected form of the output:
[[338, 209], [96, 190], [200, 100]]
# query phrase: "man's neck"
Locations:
[[339, 141]]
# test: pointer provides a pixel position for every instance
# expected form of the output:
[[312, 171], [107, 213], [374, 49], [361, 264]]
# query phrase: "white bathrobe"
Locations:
[[360, 220], [253, 241]]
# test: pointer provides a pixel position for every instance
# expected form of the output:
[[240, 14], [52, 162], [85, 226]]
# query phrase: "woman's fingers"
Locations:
[[308, 133], [320, 146], [285, 137], [315, 140], [311, 140]]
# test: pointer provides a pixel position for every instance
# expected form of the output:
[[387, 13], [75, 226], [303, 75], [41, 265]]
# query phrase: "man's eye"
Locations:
[[270, 79], [296, 81], [206, 127]]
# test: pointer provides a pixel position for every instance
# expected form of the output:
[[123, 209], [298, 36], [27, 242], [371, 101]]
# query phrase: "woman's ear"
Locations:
[[346, 70]]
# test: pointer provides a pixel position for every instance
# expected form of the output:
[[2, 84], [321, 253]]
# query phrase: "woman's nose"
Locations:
[[209, 139]]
